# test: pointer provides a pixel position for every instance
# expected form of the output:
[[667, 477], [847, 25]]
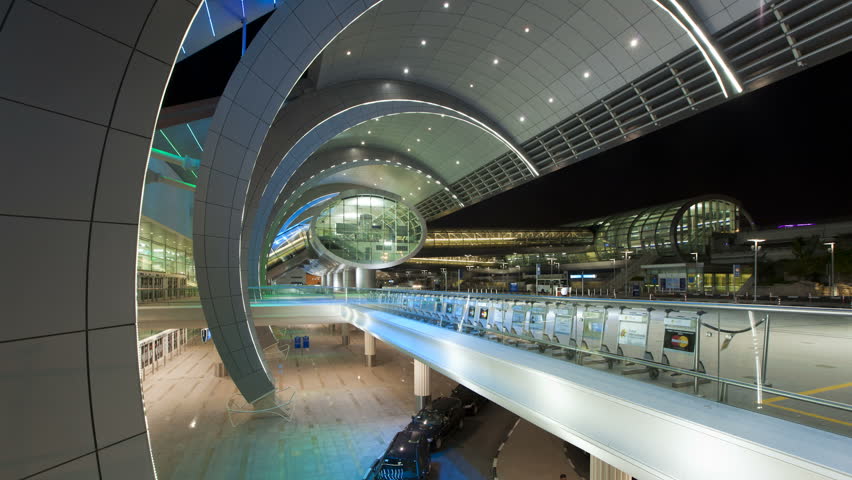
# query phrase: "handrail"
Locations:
[[279, 408], [683, 371]]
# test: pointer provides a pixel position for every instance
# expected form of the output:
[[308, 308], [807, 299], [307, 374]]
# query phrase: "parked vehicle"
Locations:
[[407, 458], [439, 420], [471, 401]]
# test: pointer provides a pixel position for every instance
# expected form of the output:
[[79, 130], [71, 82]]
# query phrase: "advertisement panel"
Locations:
[[632, 329], [679, 341], [593, 323], [564, 323], [680, 330], [536, 324]]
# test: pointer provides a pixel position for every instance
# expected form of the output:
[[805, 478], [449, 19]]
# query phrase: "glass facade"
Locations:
[[369, 229], [674, 229], [162, 250]]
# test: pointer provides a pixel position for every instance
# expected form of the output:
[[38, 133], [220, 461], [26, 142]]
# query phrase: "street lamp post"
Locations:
[[695, 256], [626, 258], [756, 248], [503, 265], [613, 277], [831, 271], [444, 271]]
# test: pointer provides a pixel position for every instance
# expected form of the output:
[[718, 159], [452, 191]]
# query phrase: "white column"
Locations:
[[369, 348], [338, 279], [600, 470], [421, 384], [365, 278], [344, 334], [349, 278]]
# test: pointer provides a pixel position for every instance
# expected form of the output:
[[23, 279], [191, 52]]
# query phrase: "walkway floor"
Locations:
[[345, 415], [532, 453]]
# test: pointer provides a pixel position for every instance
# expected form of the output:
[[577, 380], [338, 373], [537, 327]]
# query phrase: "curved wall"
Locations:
[[80, 92]]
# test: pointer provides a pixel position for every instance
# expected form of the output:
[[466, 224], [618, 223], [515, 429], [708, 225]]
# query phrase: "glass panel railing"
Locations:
[[789, 362]]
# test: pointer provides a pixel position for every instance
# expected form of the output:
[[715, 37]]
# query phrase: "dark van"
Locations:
[[407, 458], [439, 420]]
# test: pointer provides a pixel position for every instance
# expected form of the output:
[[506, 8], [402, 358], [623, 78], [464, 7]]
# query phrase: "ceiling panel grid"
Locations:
[[543, 50]]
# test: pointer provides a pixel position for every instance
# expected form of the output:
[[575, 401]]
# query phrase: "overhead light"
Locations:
[[418, 188], [362, 142], [471, 85], [634, 42], [586, 74], [369, 132], [408, 149], [429, 128], [526, 29], [446, 4], [405, 70], [348, 52], [457, 162], [550, 100], [496, 61], [423, 43], [523, 118], [418, 139]]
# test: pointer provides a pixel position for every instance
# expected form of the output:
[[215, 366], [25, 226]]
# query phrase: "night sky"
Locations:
[[782, 150]]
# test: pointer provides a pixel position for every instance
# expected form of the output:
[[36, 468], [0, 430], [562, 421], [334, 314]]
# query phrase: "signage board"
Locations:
[[738, 270], [306, 342], [593, 322], [632, 329], [564, 322]]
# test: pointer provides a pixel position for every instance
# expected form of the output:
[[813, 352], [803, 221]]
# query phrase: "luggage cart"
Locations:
[[681, 344], [633, 327], [594, 320], [471, 322], [536, 323], [484, 310], [564, 319], [499, 313]]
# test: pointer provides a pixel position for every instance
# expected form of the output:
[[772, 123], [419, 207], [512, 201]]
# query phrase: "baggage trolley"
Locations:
[[594, 320], [681, 344], [633, 327]]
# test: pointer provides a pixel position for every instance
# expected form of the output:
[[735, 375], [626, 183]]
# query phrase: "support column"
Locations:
[[349, 278], [421, 385], [600, 470], [338, 279], [369, 348], [344, 334], [365, 278]]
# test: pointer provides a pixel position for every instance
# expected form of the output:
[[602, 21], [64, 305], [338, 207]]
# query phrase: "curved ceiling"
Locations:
[[448, 145], [531, 63]]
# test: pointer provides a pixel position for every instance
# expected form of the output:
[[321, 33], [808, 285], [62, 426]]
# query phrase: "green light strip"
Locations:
[[167, 154], [170, 143]]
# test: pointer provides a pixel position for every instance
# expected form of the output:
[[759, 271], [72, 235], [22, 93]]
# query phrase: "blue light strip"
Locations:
[[182, 49], [209, 18], [195, 138], [170, 143], [243, 6]]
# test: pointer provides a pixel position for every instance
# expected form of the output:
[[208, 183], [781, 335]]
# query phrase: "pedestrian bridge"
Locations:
[[658, 389]]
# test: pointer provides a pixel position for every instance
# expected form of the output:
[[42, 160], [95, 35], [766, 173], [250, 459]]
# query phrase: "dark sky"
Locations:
[[784, 150]]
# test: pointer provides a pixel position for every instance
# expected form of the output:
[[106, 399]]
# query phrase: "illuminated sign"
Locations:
[[585, 275]]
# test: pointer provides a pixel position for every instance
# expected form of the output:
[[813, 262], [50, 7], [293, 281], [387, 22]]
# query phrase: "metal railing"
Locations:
[[716, 347]]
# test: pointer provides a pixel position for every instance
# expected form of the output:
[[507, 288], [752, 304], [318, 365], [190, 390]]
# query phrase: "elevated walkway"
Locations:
[[679, 424]]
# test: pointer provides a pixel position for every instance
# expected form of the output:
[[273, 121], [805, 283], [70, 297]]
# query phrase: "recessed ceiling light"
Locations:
[[457, 162], [550, 100], [380, 178], [418, 188], [496, 61], [344, 174], [586, 74], [362, 142], [369, 132], [526, 29], [634, 42], [446, 4], [523, 118], [471, 85], [423, 42], [348, 52], [408, 149], [405, 70], [418, 139], [429, 128]]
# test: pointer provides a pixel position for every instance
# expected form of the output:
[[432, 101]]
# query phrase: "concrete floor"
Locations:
[[531, 452], [345, 414]]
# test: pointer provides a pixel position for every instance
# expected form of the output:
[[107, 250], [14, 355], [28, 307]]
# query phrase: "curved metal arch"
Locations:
[[678, 215], [253, 97], [322, 165], [322, 115]]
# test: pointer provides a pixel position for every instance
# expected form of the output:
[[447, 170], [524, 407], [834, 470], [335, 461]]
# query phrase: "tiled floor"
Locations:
[[344, 414]]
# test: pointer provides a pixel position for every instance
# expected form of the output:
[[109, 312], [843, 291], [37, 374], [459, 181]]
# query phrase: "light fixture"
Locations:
[[423, 42], [496, 61], [369, 132], [348, 52], [418, 139], [362, 142], [429, 128], [471, 85], [408, 149], [523, 119], [550, 100], [457, 162], [634, 42], [405, 70], [526, 29], [586, 74], [446, 4]]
